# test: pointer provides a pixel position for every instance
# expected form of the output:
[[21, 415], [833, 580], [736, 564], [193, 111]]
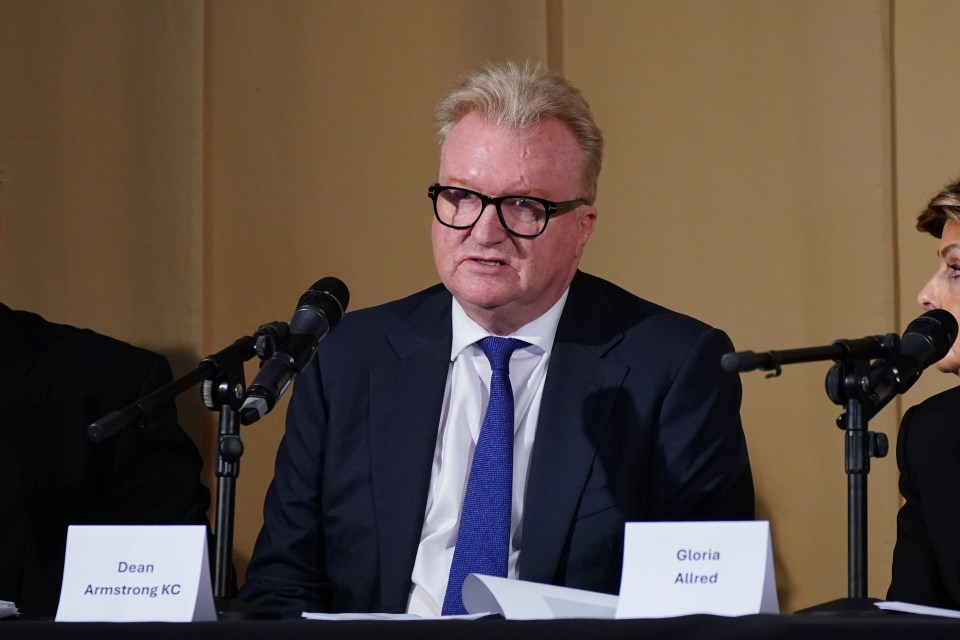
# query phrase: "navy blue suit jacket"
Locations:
[[638, 422]]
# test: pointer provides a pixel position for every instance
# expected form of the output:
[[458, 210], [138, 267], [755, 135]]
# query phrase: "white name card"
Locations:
[[683, 568], [136, 574]]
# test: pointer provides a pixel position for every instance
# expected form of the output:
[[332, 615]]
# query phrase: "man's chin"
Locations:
[[482, 297], [480, 303]]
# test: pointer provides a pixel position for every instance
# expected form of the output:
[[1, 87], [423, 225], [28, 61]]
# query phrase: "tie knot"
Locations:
[[498, 351]]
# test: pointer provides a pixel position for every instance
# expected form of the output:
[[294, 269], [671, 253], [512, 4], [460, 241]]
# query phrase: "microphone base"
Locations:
[[845, 607]]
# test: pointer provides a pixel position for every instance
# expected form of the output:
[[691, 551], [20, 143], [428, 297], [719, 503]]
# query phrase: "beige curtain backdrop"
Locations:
[[177, 172]]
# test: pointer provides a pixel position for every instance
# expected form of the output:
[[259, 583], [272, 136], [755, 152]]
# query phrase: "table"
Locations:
[[874, 626]]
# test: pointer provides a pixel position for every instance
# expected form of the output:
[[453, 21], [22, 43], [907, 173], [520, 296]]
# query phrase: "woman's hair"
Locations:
[[519, 96], [942, 206]]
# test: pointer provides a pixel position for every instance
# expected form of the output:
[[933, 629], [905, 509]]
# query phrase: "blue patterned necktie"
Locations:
[[483, 541]]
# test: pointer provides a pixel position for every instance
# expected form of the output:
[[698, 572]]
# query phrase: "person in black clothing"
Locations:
[[54, 381], [926, 559]]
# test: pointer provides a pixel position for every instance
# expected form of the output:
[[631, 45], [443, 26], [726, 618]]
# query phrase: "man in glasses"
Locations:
[[511, 420]]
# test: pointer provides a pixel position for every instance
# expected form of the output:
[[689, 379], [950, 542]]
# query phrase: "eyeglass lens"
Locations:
[[461, 208]]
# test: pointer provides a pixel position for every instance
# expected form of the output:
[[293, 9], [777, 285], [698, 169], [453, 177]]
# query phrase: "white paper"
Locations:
[[387, 617], [522, 600], [136, 574], [7, 609], [683, 568], [921, 609]]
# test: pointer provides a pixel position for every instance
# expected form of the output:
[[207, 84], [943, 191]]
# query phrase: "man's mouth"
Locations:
[[492, 263]]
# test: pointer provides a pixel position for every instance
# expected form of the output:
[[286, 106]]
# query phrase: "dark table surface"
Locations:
[[876, 626]]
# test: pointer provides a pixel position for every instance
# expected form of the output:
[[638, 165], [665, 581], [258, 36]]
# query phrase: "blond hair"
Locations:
[[519, 96]]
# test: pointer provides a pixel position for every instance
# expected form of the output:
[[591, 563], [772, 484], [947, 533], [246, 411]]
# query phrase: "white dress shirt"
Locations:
[[464, 403]]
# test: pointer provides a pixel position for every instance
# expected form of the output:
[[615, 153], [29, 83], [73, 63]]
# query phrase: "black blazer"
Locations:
[[54, 381], [926, 559], [637, 422]]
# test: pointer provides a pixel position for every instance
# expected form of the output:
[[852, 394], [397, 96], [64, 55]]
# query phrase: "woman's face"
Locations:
[[942, 291]]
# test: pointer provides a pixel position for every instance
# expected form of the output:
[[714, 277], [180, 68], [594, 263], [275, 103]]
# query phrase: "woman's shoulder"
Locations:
[[945, 401], [935, 421]]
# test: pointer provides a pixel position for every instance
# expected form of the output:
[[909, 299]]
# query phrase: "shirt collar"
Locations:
[[540, 332]]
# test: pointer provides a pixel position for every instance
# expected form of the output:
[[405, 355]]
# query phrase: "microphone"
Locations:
[[320, 309], [927, 339]]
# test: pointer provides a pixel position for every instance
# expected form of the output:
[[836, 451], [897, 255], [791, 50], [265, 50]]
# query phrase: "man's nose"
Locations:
[[488, 227]]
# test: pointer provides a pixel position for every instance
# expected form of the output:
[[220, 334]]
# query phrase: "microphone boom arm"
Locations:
[[140, 411], [870, 347]]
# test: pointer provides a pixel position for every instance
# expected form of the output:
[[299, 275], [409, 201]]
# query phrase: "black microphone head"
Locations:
[[929, 337], [330, 295]]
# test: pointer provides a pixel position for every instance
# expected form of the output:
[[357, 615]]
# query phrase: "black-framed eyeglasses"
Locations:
[[523, 216]]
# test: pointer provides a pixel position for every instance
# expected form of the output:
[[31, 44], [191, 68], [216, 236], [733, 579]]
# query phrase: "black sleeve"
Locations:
[[916, 575]]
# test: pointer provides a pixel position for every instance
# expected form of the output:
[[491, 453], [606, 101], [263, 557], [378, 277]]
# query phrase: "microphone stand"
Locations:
[[223, 393], [847, 384], [223, 386]]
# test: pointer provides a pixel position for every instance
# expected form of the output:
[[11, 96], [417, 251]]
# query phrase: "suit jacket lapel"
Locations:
[[578, 395], [405, 401]]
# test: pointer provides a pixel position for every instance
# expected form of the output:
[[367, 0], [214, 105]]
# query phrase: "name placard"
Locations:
[[136, 574], [683, 568]]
